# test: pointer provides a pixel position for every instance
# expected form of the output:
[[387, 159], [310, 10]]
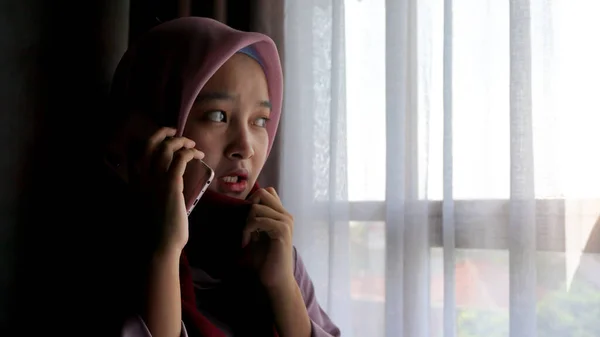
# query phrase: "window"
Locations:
[[566, 111]]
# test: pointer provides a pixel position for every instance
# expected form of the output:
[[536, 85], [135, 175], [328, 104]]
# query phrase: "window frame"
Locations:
[[488, 218]]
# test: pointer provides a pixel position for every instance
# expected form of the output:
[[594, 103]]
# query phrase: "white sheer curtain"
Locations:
[[442, 161]]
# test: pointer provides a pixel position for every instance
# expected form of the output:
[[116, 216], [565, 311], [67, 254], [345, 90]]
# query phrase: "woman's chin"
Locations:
[[231, 194]]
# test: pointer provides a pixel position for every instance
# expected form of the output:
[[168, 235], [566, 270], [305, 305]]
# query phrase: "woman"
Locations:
[[193, 89]]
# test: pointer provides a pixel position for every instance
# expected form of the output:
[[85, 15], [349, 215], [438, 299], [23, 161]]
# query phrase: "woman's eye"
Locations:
[[216, 116], [262, 122]]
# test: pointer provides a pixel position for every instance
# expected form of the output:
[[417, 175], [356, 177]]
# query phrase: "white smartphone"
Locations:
[[207, 176]]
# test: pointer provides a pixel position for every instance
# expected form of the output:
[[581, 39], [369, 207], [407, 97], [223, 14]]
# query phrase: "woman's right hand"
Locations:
[[158, 178]]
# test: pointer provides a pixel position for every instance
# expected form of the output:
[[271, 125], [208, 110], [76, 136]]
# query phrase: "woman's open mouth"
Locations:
[[235, 183]]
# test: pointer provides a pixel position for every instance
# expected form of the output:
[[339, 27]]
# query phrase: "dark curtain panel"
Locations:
[[57, 59], [247, 15]]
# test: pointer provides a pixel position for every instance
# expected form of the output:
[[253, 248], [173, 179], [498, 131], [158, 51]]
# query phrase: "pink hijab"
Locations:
[[165, 70], [161, 76]]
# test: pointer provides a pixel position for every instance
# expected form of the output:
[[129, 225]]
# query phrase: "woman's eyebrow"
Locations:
[[224, 96], [215, 96], [266, 104]]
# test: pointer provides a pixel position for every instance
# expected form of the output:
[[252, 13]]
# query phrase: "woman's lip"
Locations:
[[236, 187], [234, 174], [242, 173]]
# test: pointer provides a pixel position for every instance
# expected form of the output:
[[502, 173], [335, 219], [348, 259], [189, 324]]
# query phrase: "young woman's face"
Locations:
[[228, 123]]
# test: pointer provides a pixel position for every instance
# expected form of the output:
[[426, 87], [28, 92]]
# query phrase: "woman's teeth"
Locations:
[[230, 179]]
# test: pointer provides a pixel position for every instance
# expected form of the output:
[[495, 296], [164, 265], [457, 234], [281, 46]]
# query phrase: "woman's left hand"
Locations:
[[268, 233]]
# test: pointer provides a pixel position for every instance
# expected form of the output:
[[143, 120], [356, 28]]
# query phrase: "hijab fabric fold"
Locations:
[[161, 76]]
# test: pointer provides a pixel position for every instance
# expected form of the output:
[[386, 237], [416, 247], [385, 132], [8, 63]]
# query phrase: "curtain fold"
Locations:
[[448, 206], [522, 225]]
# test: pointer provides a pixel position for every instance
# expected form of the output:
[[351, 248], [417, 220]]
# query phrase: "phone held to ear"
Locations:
[[207, 177]]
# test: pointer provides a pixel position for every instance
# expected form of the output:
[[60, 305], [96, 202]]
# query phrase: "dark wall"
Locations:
[[56, 60]]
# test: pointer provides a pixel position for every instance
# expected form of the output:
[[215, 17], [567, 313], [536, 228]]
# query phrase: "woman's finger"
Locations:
[[263, 197], [274, 228], [143, 161], [164, 154], [273, 192], [264, 211], [157, 138], [180, 160]]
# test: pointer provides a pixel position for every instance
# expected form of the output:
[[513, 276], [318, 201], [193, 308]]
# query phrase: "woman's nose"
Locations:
[[240, 146]]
